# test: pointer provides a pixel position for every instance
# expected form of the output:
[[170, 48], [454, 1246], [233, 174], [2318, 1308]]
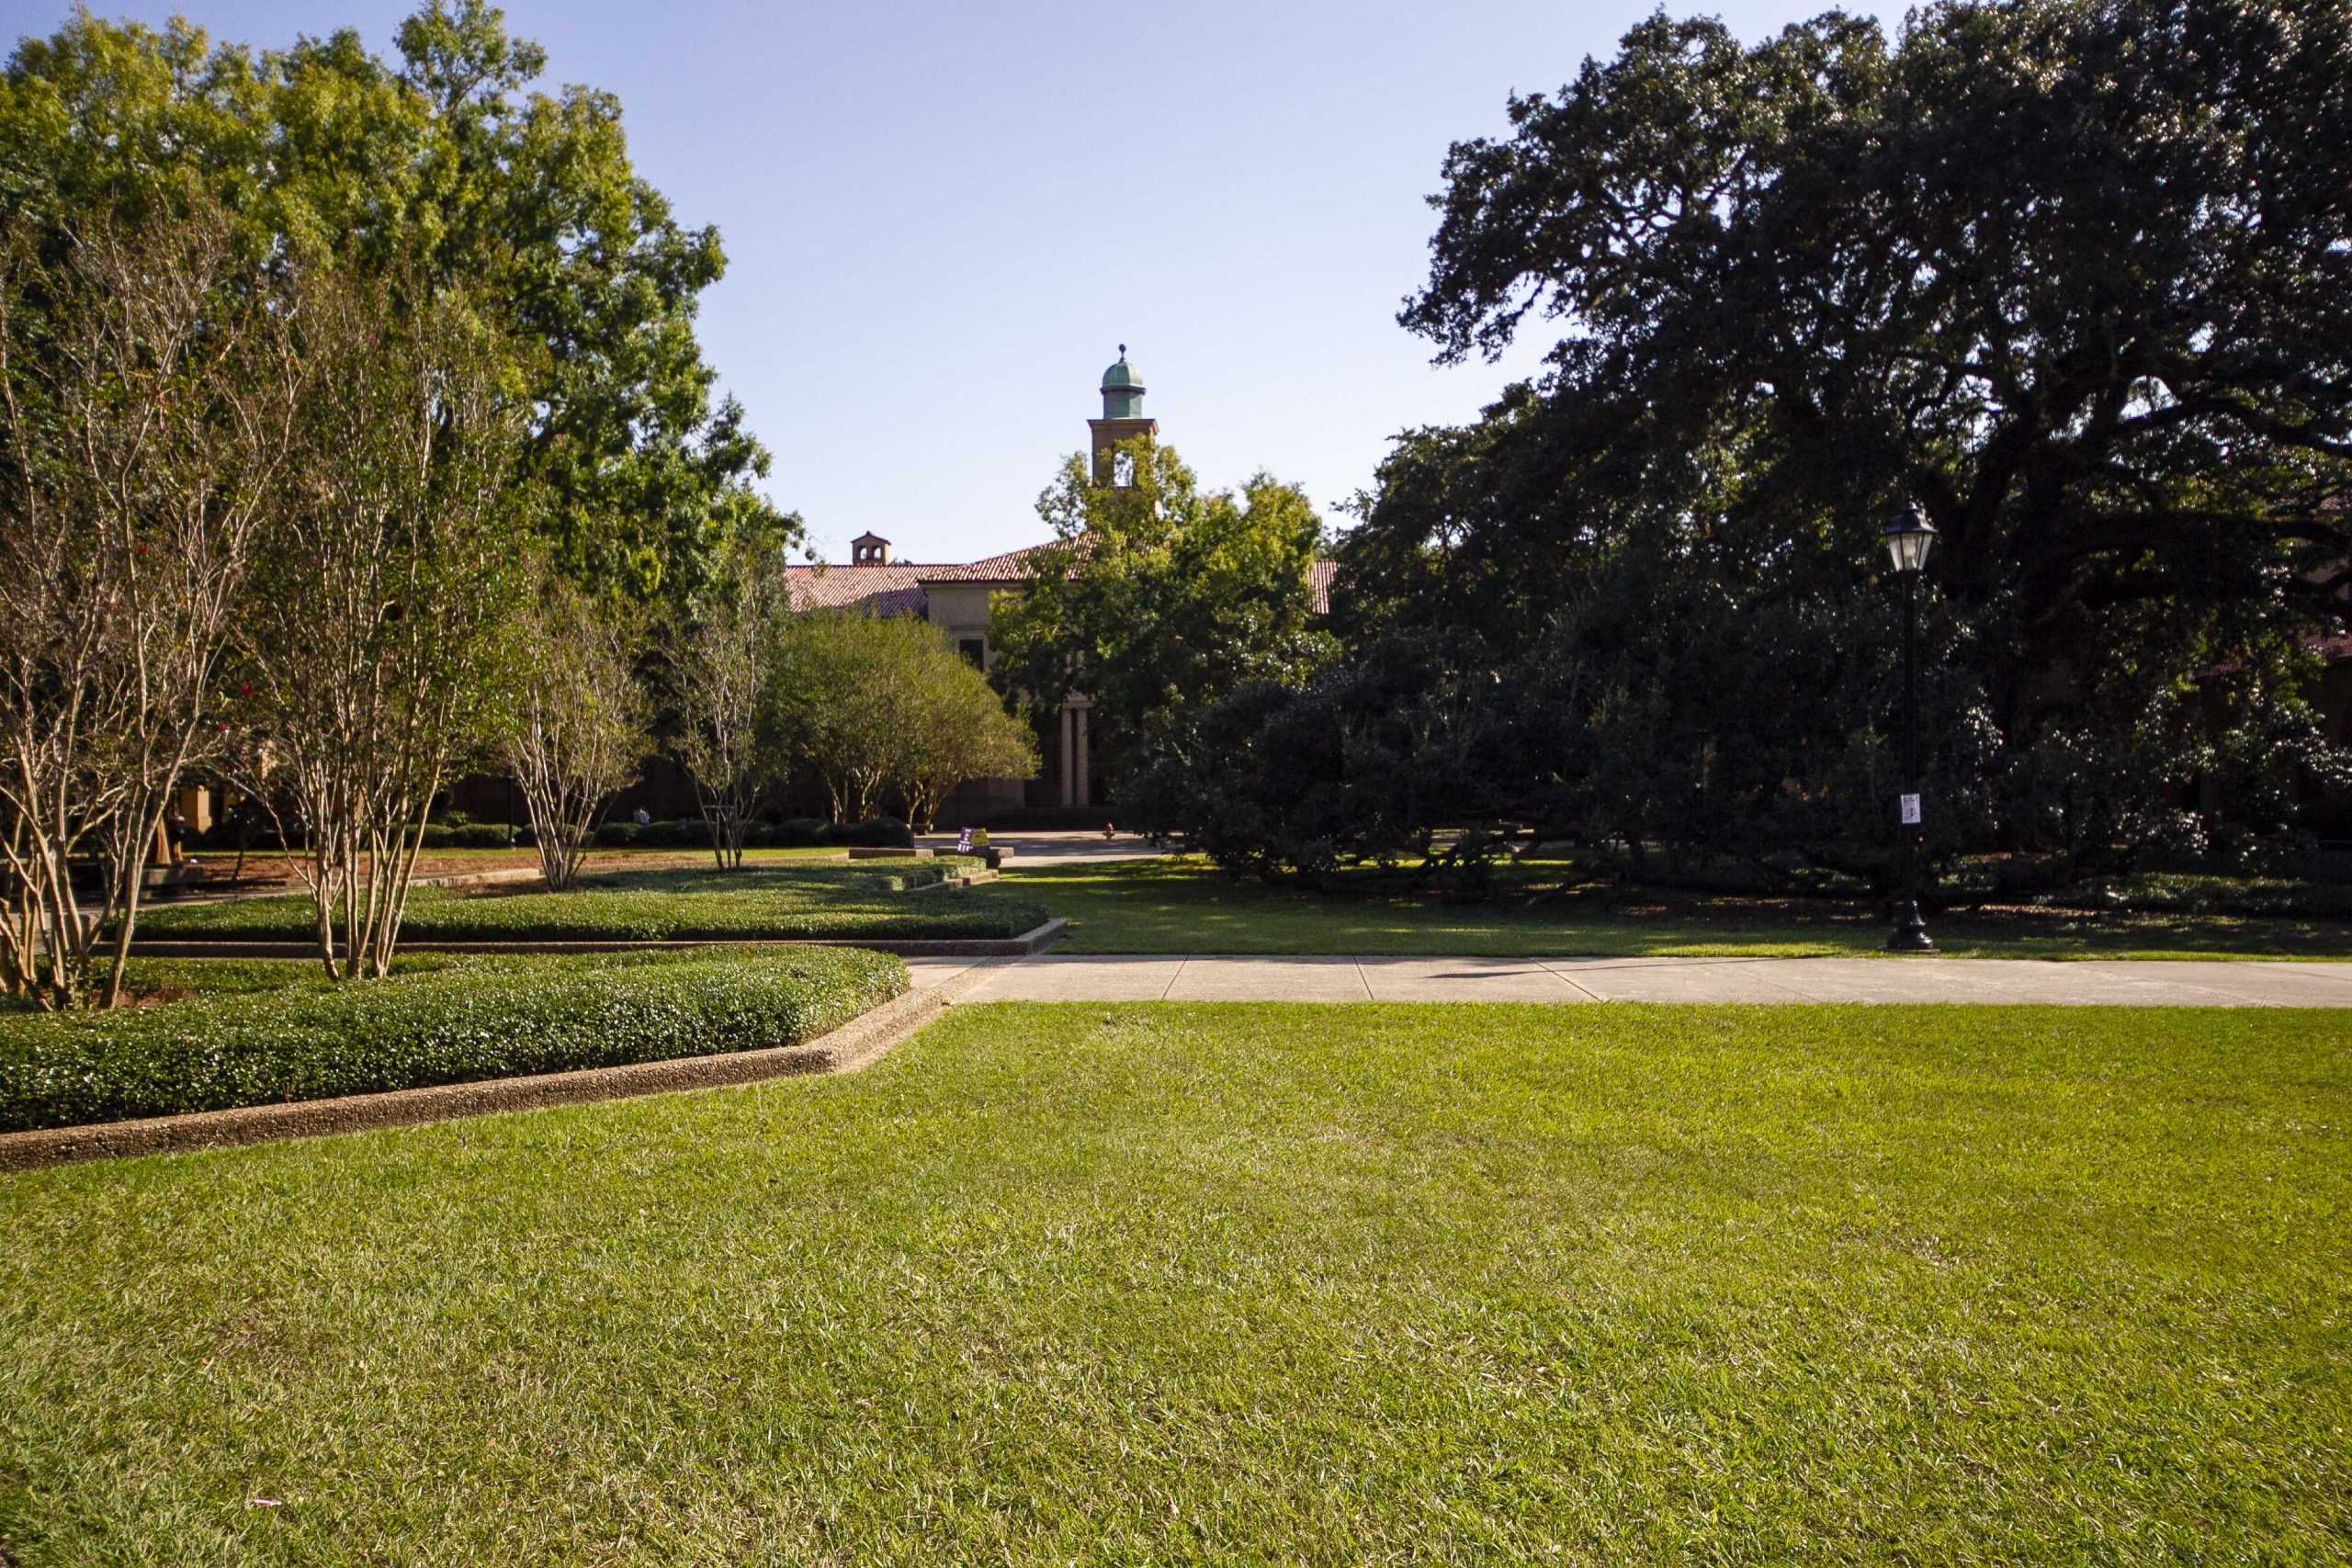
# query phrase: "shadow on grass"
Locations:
[[1188, 905]]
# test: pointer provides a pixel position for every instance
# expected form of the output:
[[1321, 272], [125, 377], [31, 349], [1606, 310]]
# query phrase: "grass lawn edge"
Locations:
[[846, 1047]]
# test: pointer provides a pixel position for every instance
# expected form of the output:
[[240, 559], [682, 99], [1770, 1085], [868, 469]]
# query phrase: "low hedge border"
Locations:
[[460, 1024], [862, 1040]]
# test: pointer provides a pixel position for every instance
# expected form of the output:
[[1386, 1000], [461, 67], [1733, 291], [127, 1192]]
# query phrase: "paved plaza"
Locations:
[[2085, 982]]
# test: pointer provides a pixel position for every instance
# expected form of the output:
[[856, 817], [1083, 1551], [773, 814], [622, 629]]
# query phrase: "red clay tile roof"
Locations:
[[897, 589], [1010, 567], [1319, 578], [877, 589]]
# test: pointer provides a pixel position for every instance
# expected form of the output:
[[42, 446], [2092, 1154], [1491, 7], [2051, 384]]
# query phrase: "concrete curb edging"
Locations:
[[859, 1043], [1027, 944]]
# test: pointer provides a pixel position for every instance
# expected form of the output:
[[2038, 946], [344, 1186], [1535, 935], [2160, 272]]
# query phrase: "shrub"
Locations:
[[469, 1022]]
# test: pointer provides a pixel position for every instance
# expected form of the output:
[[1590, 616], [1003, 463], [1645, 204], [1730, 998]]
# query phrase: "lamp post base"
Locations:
[[1910, 933]]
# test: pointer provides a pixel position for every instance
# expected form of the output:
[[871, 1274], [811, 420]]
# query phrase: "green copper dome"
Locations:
[[1122, 393]]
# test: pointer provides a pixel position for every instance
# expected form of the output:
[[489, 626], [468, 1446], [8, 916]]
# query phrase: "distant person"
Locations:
[[1110, 831]]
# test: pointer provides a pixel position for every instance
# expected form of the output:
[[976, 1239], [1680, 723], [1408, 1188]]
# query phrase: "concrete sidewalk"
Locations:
[[2079, 983]]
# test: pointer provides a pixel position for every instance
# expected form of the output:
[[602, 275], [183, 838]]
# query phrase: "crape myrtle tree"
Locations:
[[580, 722], [2069, 277], [874, 704], [535, 293], [379, 644], [956, 729], [146, 402], [1158, 598], [720, 672]]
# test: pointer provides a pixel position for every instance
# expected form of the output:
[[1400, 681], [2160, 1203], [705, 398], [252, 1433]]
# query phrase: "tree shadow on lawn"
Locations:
[[1188, 905]]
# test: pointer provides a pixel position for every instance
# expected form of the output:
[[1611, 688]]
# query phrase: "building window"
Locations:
[[974, 650]]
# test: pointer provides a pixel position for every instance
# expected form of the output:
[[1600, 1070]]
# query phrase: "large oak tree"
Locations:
[[2068, 275]]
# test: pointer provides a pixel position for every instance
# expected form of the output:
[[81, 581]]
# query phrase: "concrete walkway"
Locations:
[[2086, 982]]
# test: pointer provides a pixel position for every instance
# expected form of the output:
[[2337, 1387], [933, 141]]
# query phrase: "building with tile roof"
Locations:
[[955, 597]]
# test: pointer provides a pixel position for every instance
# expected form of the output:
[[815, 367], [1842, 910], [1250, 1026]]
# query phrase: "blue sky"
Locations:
[[942, 220]]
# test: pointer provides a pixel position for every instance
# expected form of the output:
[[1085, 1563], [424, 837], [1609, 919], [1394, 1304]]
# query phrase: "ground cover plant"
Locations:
[[1183, 904], [458, 1023], [787, 900], [1243, 1284]]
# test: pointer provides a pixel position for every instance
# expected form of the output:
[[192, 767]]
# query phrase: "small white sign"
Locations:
[[1910, 811]]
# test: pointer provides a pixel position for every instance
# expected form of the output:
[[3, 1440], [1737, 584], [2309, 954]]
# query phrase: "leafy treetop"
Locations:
[[447, 169]]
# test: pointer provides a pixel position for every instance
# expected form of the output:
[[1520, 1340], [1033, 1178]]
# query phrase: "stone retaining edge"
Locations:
[[862, 1040], [1027, 944]]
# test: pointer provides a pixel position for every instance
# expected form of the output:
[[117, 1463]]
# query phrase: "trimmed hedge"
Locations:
[[477, 1019], [758, 902]]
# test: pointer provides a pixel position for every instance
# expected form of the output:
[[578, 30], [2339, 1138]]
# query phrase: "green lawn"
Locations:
[[1186, 905], [1342, 1285], [877, 899]]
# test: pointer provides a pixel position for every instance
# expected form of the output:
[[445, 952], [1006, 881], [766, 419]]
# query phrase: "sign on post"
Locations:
[[1910, 811]]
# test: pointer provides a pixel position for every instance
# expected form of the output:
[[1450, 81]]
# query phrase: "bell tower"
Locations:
[[1123, 420]]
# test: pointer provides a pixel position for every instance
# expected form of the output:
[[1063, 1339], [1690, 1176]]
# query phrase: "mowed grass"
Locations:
[[874, 899], [262, 863], [1188, 905], [1150, 1284]]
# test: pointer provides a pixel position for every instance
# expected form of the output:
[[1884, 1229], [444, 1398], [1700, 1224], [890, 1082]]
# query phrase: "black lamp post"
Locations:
[[1908, 538]]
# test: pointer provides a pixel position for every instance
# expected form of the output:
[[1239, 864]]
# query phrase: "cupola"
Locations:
[[1122, 393]]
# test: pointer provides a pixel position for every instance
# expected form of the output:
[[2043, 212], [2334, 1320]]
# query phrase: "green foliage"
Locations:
[[458, 1024], [876, 705], [1158, 599], [788, 901], [580, 721], [1362, 762], [720, 672], [448, 162], [2068, 276]]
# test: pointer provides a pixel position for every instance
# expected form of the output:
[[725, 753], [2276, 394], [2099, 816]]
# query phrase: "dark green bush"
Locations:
[[475, 836], [469, 1022]]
